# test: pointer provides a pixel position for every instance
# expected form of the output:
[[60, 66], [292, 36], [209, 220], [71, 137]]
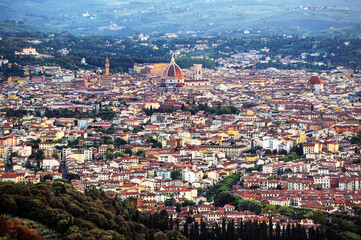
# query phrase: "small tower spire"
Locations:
[[107, 66]]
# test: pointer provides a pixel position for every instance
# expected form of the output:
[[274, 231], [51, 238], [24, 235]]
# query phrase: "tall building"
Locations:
[[86, 78], [107, 66], [198, 71], [198, 83], [106, 79]]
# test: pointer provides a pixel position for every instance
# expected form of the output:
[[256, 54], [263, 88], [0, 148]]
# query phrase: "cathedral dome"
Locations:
[[315, 80], [173, 70]]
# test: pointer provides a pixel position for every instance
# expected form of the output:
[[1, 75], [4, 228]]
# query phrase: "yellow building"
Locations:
[[252, 157], [102, 149], [18, 80], [4, 151], [331, 146]]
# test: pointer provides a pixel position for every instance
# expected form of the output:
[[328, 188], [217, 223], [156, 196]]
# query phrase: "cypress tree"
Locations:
[[170, 222], [151, 234], [224, 233], [270, 229], [203, 230], [288, 232], [278, 232], [240, 230], [177, 224], [219, 232], [191, 234], [257, 229], [247, 230], [263, 231], [196, 230], [213, 233], [185, 229], [230, 230], [303, 234]]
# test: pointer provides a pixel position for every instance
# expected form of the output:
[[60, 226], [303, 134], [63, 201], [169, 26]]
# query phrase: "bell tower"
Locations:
[[107, 66]]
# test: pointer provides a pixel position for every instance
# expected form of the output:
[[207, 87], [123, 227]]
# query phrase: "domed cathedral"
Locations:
[[172, 78], [315, 84]]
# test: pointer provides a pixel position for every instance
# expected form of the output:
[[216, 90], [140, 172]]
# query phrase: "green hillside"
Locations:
[[59, 211]]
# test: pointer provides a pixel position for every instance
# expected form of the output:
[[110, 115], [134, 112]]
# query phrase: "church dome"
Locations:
[[173, 70], [315, 80]]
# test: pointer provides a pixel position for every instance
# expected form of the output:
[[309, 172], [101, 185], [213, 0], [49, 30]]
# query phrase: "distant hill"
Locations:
[[201, 17]]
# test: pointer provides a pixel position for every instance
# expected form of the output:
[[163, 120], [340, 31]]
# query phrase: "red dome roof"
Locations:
[[173, 70], [315, 80]]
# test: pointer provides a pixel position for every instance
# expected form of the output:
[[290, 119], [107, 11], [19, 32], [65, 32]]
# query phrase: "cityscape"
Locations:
[[171, 136]]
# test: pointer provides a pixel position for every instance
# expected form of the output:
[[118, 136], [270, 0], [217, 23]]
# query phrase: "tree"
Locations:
[[128, 151], [288, 170], [120, 141], [47, 177], [176, 174], [118, 154], [71, 176], [55, 155], [170, 202], [318, 216], [272, 177], [140, 153], [270, 208], [188, 202], [286, 211], [109, 155], [200, 190]]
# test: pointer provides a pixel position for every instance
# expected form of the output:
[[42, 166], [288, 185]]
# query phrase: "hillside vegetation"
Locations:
[[70, 214]]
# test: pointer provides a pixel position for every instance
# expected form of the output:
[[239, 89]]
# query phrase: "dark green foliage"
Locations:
[[253, 150], [249, 230], [76, 215], [14, 113], [185, 62], [176, 174], [151, 111], [156, 144], [356, 139], [137, 129], [105, 114], [212, 110], [290, 157]]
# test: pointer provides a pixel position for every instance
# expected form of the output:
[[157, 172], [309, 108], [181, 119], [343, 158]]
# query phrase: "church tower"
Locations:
[[107, 66], [198, 71], [86, 78]]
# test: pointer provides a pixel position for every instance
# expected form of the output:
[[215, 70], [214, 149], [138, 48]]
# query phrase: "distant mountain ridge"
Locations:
[[201, 17]]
